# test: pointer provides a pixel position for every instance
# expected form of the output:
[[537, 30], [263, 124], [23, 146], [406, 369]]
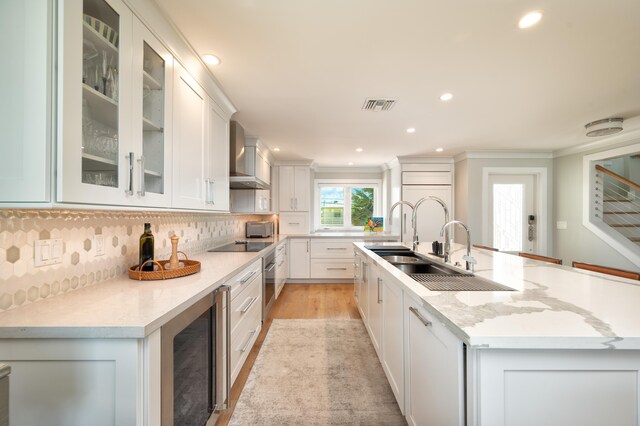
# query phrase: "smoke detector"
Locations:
[[376, 105], [604, 127]]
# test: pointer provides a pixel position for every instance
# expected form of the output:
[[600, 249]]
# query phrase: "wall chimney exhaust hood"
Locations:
[[245, 162]]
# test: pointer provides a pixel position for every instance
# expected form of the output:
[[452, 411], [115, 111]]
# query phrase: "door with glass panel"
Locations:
[[95, 103], [152, 77], [513, 213]]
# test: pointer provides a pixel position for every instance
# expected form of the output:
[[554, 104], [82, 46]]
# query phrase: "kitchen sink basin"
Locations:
[[403, 259], [425, 268]]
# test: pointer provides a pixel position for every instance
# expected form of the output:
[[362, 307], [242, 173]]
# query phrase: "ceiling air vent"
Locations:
[[378, 104]]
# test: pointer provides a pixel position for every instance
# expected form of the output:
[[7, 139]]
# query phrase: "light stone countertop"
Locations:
[[125, 308], [553, 307], [362, 234]]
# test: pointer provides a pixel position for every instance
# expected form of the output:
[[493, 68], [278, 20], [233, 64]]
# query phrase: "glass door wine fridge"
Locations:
[[195, 362]]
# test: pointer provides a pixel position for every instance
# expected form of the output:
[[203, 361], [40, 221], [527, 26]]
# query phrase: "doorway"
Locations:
[[514, 210]]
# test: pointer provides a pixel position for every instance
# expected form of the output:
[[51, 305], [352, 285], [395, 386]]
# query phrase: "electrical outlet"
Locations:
[[47, 252], [98, 243]]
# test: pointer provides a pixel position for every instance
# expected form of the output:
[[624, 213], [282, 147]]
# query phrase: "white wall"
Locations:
[[577, 242]]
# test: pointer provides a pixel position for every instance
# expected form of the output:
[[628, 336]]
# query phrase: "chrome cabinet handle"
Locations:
[[252, 300], [379, 296], [207, 193], [336, 248], [129, 190], [291, 204], [336, 269], [294, 223], [280, 264], [270, 267], [246, 345], [246, 278], [422, 319], [142, 191], [296, 203], [307, 246], [364, 271]]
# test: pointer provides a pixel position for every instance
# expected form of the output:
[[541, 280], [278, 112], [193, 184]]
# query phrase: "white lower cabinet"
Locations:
[[434, 372], [299, 257], [282, 267], [332, 268], [363, 291], [374, 283], [392, 336]]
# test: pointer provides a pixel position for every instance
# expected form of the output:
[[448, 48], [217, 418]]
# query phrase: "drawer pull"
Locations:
[[247, 277], [246, 345], [280, 264], [422, 319], [252, 300], [336, 269], [294, 223], [336, 248]]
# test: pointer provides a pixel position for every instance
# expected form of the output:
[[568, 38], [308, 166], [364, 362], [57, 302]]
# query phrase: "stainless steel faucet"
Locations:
[[446, 218], [470, 260], [413, 211]]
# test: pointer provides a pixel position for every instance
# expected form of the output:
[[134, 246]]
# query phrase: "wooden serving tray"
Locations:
[[190, 267]]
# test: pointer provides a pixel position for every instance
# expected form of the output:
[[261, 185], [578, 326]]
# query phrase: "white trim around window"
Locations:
[[376, 184]]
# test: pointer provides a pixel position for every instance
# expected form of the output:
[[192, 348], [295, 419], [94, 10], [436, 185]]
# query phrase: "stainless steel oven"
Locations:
[[196, 364], [268, 283]]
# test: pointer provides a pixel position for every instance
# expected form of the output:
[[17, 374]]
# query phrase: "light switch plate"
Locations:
[[561, 224], [47, 252], [98, 243]]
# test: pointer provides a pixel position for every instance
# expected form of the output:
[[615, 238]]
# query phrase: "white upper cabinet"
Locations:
[[25, 113], [97, 158], [189, 142], [295, 183], [152, 100], [217, 159]]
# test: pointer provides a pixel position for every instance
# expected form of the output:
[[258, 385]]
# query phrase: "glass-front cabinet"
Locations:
[[113, 76]]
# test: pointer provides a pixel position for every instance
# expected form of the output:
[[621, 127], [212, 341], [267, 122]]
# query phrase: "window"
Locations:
[[344, 204]]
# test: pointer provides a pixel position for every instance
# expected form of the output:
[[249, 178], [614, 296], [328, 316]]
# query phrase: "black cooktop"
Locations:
[[243, 246]]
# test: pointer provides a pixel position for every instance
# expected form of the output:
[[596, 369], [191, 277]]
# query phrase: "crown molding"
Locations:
[[502, 154], [351, 170], [307, 163], [410, 159], [623, 137]]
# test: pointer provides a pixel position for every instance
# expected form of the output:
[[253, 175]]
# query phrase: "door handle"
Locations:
[[379, 296], [142, 191], [422, 319], [246, 277], [336, 248], [129, 190], [336, 269], [252, 300], [246, 345]]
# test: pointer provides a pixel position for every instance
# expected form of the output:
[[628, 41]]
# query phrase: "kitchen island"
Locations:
[[562, 348]]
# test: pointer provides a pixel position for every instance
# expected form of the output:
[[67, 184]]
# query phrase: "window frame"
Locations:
[[376, 184]]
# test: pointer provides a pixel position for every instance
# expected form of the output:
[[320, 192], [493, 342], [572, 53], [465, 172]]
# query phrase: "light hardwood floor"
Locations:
[[297, 301]]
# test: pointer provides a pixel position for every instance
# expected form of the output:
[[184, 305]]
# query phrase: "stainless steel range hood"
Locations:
[[242, 162]]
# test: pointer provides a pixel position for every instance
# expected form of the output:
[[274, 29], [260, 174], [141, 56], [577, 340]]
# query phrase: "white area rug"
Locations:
[[317, 372]]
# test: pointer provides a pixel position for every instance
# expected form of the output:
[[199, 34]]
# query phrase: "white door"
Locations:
[[217, 168], [430, 214], [286, 186], [375, 307], [302, 184], [512, 213], [299, 265], [392, 336], [188, 141]]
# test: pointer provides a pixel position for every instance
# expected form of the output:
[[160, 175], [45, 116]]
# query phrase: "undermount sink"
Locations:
[[434, 276], [425, 268]]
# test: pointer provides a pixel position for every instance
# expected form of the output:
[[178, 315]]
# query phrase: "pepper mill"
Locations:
[[174, 263]]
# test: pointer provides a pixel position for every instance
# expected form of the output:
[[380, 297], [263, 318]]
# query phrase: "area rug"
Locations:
[[317, 372]]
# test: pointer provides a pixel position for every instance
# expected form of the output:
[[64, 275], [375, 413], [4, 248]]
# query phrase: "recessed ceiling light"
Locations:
[[359, 150], [211, 59], [439, 149], [446, 97], [350, 163], [530, 19], [276, 149], [411, 130]]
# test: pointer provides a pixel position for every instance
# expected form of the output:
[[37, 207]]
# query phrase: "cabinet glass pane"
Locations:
[[100, 81], [153, 120]]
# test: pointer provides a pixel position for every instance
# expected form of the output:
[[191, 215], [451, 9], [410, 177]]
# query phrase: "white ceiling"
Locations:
[[300, 70]]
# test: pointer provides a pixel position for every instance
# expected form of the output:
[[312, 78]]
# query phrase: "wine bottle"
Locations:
[[146, 248]]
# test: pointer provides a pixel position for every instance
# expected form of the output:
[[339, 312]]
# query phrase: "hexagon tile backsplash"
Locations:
[[22, 283]]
